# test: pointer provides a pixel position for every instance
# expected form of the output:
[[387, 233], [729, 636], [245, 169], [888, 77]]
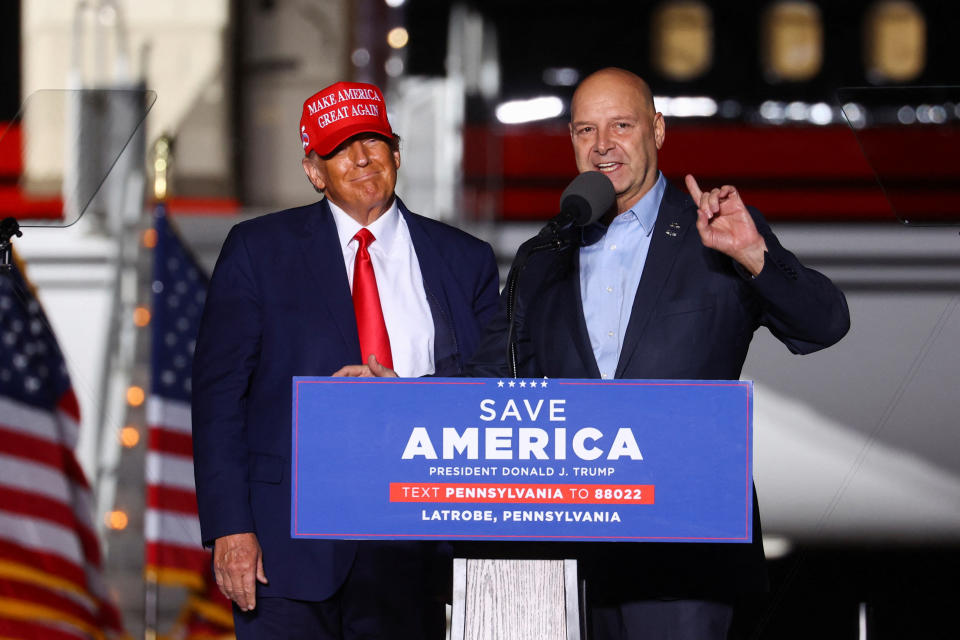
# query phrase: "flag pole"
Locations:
[[151, 592], [162, 156]]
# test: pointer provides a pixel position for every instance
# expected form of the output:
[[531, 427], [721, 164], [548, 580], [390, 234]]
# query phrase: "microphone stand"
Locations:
[[547, 240]]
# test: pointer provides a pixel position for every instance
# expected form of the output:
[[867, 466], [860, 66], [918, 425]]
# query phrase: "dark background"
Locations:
[[535, 35]]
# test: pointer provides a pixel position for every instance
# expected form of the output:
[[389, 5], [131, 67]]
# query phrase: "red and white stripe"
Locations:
[[50, 561], [171, 527]]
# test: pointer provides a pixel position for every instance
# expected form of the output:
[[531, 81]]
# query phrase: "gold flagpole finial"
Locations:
[[162, 157]]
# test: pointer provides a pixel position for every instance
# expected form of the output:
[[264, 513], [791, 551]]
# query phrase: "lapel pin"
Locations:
[[673, 230]]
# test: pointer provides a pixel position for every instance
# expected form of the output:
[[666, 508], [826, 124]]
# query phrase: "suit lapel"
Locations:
[[668, 233], [431, 265], [576, 319], [434, 271], [321, 250]]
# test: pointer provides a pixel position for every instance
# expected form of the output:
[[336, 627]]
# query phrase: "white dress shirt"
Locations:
[[400, 285]]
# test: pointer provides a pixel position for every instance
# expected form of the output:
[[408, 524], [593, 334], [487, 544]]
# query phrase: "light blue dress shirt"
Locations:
[[610, 271]]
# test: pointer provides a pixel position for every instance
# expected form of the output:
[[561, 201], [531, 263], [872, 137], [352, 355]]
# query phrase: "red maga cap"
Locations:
[[340, 111]]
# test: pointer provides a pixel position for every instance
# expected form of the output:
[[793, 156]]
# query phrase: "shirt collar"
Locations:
[[643, 212], [384, 228], [646, 208]]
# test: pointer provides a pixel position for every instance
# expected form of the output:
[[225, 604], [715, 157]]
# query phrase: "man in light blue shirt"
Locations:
[[616, 130], [610, 271], [660, 303], [667, 285]]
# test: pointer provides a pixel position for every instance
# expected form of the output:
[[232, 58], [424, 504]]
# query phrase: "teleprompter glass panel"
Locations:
[[910, 137], [69, 143]]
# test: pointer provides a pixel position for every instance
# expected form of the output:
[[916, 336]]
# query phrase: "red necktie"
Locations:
[[366, 304]]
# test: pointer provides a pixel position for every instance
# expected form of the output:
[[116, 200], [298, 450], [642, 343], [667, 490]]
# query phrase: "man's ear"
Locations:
[[659, 129], [396, 158], [314, 175]]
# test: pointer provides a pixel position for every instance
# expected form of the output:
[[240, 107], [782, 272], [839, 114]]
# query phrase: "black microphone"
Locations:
[[583, 202]]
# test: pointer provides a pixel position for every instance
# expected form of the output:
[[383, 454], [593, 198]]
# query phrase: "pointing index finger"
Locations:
[[693, 188]]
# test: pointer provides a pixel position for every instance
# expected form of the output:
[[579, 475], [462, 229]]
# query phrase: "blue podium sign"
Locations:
[[488, 459]]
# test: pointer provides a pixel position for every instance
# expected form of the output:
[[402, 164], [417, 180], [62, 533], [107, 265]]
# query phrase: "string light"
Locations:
[[135, 396], [398, 38], [129, 436], [149, 239], [141, 316], [117, 520]]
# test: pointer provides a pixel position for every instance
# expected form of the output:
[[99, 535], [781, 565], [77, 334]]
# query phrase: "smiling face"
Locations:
[[359, 176], [616, 131]]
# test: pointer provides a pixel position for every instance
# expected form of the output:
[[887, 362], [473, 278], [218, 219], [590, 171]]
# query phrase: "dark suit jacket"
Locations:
[[279, 305], [693, 317]]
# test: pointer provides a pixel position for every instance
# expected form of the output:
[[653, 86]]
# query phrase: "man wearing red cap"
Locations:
[[352, 278]]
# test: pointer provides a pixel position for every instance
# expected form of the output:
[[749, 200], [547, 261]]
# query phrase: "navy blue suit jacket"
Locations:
[[693, 317], [279, 305]]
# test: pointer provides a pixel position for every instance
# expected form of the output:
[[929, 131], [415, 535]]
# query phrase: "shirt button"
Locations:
[[612, 247], [605, 376], [610, 333], [609, 289]]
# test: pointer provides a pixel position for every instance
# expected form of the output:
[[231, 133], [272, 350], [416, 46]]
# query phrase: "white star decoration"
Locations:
[[524, 383]]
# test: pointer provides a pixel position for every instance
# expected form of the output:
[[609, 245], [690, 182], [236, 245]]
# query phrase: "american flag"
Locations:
[[175, 554], [51, 585], [204, 616], [172, 531]]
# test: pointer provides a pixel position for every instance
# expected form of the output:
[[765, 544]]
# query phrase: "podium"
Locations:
[[515, 461], [515, 600]]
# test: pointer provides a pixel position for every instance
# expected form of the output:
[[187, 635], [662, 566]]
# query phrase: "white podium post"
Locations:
[[515, 600]]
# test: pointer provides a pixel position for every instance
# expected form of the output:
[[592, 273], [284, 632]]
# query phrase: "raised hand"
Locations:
[[725, 224]]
